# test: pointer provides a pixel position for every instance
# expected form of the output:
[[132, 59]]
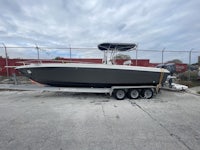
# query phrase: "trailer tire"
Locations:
[[119, 94], [133, 93], [147, 93]]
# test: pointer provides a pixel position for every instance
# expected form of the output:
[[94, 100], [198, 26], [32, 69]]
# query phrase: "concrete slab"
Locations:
[[58, 120], [194, 90]]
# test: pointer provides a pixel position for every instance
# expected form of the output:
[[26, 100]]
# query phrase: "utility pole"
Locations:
[[6, 54]]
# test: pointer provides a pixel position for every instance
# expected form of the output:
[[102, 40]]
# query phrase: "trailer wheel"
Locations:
[[133, 94], [119, 94], [147, 93]]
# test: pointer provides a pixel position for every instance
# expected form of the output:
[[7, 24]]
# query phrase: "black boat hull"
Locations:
[[91, 77]]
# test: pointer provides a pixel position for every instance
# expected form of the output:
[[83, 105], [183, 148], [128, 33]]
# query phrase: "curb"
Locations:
[[192, 92]]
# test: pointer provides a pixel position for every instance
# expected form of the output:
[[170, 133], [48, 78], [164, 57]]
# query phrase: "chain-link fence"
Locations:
[[155, 56], [41, 52]]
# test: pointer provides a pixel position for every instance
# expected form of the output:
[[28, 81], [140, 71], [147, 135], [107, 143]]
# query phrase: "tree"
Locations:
[[176, 61], [57, 58]]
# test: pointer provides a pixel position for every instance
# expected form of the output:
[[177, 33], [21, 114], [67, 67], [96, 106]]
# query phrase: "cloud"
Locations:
[[169, 24]]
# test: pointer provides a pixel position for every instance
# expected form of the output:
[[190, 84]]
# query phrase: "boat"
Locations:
[[103, 75]]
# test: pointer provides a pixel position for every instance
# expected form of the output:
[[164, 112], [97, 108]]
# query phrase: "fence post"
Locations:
[[6, 54], [163, 55], [136, 57], [70, 52], [38, 53], [189, 73]]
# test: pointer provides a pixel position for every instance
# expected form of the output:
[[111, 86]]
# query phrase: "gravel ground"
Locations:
[[31, 120]]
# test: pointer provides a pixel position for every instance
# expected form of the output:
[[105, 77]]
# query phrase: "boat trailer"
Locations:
[[118, 92]]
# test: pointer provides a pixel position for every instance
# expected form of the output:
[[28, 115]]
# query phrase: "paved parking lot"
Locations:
[[59, 121]]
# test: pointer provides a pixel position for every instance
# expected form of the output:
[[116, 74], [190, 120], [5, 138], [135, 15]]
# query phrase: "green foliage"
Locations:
[[175, 61], [57, 58], [184, 78], [185, 75]]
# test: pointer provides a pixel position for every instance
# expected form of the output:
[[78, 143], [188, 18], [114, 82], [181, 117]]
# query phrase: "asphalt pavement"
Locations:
[[31, 120]]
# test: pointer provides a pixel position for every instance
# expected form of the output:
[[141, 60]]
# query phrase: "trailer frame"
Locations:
[[113, 91]]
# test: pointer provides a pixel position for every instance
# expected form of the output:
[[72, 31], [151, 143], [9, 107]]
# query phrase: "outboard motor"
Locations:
[[171, 67]]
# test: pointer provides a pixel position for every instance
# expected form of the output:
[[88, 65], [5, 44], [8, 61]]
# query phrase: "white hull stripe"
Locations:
[[95, 66]]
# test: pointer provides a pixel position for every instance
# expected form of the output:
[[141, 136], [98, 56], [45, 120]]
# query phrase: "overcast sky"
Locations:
[[152, 24]]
